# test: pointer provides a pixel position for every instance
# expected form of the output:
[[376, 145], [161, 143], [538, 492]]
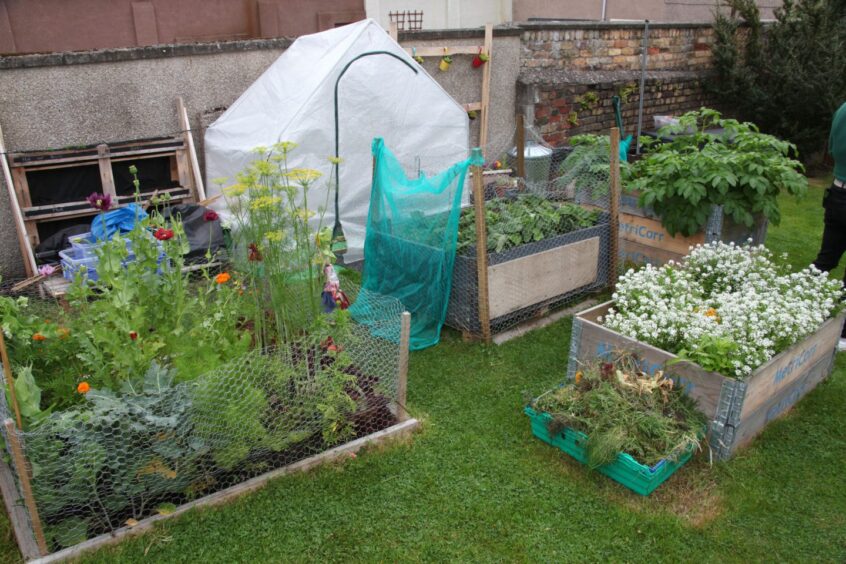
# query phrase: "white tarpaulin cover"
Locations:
[[378, 96]]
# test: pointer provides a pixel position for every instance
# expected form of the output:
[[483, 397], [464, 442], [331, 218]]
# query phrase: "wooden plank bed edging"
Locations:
[[392, 433]]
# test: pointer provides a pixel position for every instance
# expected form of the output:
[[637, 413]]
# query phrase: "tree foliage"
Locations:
[[789, 76]]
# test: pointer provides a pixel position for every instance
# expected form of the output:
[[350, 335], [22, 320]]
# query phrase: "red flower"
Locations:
[[133, 335], [211, 215], [101, 202], [163, 234]]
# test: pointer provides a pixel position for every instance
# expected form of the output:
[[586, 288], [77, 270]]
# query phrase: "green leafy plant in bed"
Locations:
[[622, 409], [738, 168], [525, 219]]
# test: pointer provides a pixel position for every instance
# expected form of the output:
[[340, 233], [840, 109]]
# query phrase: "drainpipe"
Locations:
[[643, 60], [604, 9]]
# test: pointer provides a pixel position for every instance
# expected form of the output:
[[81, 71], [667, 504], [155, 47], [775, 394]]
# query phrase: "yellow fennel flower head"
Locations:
[[220, 180], [274, 236], [265, 202], [235, 190], [263, 168], [285, 146], [260, 150], [336, 160], [303, 175], [304, 214]]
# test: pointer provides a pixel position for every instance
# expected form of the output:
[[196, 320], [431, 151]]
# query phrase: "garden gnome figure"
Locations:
[[834, 202]]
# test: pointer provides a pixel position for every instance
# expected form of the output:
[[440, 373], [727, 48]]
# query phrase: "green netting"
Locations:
[[409, 248]]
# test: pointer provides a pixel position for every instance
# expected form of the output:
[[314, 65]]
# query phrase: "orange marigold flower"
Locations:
[[578, 376], [83, 387], [39, 337], [222, 278], [711, 312]]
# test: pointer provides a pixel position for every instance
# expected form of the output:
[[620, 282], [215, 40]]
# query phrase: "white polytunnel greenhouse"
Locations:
[[336, 91]]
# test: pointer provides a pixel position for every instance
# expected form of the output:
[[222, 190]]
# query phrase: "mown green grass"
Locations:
[[474, 485]]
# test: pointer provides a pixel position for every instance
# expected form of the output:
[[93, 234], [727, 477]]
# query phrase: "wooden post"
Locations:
[[614, 205], [107, 178], [486, 88], [393, 32], [23, 476], [7, 373], [521, 147], [402, 384], [23, 239], [185, 125], [481, 252]]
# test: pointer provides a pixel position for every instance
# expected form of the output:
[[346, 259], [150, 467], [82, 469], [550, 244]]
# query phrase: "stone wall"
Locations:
[[569, 75]]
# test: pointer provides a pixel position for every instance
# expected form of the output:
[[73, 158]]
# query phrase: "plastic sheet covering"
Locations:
[[411, 238]]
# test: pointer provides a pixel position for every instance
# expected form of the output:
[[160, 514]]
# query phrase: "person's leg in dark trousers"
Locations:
[[834, 233]]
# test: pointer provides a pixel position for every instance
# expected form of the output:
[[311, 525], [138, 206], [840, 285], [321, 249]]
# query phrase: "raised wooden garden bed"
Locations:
[[643, 240], [530, 279], [738, 409]]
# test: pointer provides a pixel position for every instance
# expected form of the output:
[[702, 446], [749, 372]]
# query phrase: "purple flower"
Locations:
[[47, 270], [102, 202]]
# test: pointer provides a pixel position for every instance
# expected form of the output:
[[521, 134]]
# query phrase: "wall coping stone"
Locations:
[[212, 48], [553, 77]]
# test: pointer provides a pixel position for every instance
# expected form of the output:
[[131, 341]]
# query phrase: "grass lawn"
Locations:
[[474, 485]]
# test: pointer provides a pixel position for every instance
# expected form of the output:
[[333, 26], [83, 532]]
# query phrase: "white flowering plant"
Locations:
[[726, 307]]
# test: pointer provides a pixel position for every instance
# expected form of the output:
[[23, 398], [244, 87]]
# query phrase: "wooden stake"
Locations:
[[481, 252], [614, 204], [7, 372], [23, 239], [23, 476], [486, 87], [185, 125], [521, 147], [402, 384]]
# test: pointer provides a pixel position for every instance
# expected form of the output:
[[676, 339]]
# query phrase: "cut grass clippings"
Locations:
[[475, 485]]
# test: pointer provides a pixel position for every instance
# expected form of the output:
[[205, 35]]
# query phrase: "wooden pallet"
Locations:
[[17, 165]]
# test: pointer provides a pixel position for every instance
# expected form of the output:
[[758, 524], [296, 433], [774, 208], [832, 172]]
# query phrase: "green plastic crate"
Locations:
[[626, 470]]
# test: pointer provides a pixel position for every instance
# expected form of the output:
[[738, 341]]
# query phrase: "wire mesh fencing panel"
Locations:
[[547, 232], [117, 456]]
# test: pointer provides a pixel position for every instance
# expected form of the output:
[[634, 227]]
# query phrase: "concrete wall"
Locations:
[[30, 26], [653, 10]]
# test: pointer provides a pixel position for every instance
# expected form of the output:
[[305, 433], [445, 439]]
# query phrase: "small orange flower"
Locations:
[[83, 387], [39, 337], [63, 332], [578, 376], [222, 278], [711, 312]]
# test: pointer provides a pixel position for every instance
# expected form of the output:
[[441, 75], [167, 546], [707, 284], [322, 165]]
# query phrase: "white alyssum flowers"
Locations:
[[728, 294]]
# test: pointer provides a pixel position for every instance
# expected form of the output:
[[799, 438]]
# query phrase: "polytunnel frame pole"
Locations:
[[339, 241]]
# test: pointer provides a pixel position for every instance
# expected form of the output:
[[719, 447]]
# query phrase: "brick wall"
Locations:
[[615, 47], [562, 91]]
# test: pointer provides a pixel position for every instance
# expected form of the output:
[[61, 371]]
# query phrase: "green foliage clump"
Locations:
[[515, 222], [789, 76], [621, 409], [740, 169]]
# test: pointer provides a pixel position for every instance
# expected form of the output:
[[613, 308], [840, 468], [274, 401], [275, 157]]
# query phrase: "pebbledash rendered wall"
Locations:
[[63, 99]]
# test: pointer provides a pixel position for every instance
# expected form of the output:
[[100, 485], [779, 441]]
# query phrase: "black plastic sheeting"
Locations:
[[202, 235]]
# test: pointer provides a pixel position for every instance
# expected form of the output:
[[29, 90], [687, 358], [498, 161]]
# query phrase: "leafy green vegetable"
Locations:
[[526, 219], [740, 169]]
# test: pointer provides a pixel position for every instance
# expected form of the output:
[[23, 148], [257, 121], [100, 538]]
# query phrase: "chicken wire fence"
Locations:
[[117, 457], [547, 229]]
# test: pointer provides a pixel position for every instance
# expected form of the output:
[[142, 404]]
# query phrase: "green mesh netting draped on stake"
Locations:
[[409, 248]]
